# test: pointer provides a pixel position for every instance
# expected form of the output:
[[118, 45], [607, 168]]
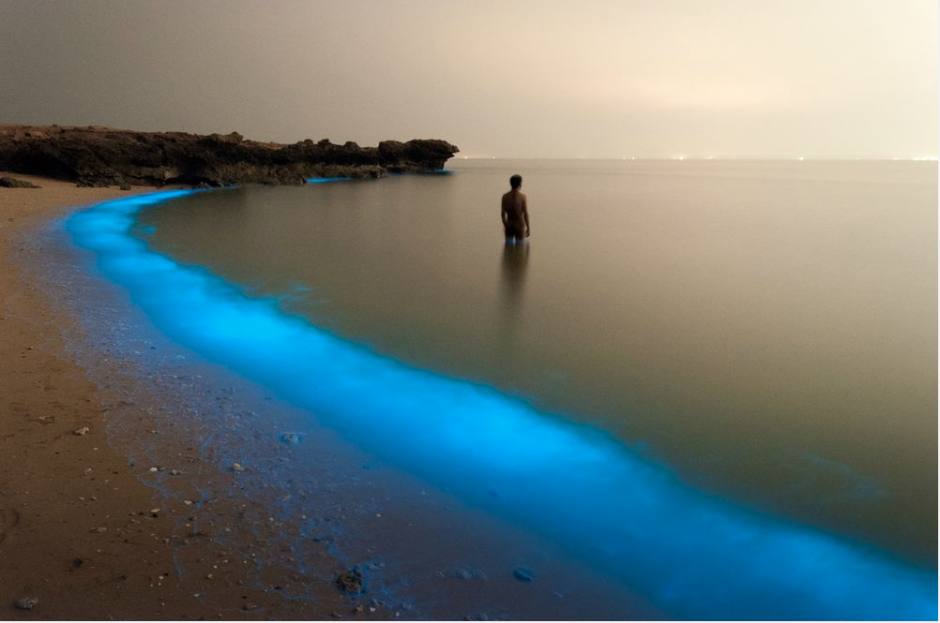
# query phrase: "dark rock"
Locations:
[[522, 574], [12, 182], [350, 582], [106, 157]]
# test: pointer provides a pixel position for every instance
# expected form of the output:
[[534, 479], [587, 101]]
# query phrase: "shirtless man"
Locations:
[[515, 212]]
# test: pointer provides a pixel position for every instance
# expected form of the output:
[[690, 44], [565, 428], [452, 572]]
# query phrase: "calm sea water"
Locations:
[[767, 330]]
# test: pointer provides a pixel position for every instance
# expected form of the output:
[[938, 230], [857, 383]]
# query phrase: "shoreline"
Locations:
[[77, 531], [166, 411]]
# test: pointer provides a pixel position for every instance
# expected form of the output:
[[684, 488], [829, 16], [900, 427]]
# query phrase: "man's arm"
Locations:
[[525, 215], [504, 213]]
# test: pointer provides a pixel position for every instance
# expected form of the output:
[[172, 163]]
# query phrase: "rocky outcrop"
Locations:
[[96, 156]]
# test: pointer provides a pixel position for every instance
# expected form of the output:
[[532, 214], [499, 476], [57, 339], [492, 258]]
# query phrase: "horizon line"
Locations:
[[712, 158]]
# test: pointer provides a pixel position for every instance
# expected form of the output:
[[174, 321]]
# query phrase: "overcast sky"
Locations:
[[617, 78]]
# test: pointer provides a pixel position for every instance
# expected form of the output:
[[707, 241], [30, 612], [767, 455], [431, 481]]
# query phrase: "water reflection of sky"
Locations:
[[693, 555]]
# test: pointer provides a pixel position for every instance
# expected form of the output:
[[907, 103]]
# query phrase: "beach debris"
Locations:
[[291, 438], [99, 530], [175, 472], [154, 512], [152, 470], [350, 582], [249, 607], [522, 574], [237, 467], [81, 431], [26, 603]]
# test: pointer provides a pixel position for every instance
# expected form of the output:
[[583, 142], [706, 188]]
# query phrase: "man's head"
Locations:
[[515, 181]]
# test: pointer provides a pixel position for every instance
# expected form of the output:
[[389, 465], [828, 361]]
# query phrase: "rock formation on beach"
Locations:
[[98, 156], [12, 182]]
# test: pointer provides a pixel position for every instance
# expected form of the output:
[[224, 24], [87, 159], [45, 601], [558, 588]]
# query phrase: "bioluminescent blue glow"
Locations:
[[693, 555], [321, 180]]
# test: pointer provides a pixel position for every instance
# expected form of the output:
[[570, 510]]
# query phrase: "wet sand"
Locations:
[[79, 530]]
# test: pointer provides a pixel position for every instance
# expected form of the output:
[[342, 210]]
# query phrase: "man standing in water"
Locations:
[[515, 212]]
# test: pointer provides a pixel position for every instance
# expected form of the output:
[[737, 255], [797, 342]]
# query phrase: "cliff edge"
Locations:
[[98, 156]]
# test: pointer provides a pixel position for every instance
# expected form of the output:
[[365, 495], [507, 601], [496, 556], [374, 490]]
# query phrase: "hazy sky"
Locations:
[[617, 78]]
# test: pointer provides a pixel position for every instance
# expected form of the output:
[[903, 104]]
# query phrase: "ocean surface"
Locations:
[[713, 381]]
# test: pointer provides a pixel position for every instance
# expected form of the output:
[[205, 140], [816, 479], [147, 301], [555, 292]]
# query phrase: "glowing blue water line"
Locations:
[[693, 555]]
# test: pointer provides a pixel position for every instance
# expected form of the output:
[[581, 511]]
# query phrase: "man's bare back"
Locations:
[[515, 212]]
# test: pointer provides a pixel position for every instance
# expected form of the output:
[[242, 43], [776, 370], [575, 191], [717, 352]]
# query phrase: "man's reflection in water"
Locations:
[[515, 261]]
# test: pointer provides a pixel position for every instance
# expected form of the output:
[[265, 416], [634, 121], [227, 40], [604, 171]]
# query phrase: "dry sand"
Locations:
[[76, 531]]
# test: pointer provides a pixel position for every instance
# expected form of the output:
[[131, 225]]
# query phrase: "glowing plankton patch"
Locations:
[[693, 555]]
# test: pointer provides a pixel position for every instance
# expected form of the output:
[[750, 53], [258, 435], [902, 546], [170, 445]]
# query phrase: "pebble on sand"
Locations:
[[81, 431], [350, 582], [26, 603]]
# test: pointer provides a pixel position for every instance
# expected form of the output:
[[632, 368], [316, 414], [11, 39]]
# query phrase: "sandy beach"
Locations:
[[81, 536]]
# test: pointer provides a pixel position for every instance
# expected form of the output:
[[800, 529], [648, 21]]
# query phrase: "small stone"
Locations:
[[350, 582], [249, 607], [153, 470], [237, 467], [81, 431], [27, 603], [99, 530], [154, 512], [291, 438], [175, 472], [522, 574]]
